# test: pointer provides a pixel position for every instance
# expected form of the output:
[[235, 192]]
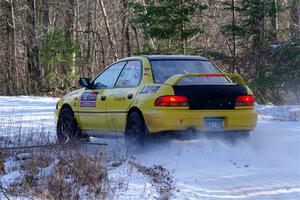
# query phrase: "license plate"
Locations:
[[214, 124]]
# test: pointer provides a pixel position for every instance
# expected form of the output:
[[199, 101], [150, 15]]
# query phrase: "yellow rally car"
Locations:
[[145, 95]]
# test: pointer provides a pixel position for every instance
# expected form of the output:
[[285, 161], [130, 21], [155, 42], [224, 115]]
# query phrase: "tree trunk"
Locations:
[[32, 48], [295, 18], [5, 65], [136, 38], [274, 20], [89, 32], [126, 48], [44, 16], [234, 49], [108, 30], [13, 76], [45, 22], [182, 42], [69, 31]]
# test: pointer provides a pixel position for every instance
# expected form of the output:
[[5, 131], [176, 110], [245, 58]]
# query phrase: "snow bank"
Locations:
[[289, 113]]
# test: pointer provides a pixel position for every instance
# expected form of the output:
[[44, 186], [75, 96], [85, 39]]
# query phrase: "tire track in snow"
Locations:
[[242, 193]]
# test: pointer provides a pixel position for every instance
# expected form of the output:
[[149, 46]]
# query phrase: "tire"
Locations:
[[68, 130], [136, 130]]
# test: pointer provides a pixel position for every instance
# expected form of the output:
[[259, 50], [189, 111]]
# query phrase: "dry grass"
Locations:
[[61, 174], [73, 172]]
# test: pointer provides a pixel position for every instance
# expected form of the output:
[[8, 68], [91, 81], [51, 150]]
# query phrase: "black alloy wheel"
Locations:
[[68, 130], [136, 130]]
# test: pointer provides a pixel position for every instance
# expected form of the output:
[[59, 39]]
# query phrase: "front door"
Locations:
[[93, 102], [121, 97], [92, 110]]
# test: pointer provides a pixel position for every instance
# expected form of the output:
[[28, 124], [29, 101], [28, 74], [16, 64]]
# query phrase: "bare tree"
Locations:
[[126, 47], [69, 30], [274, 20], [32, 48], [108, 29], [295, 17]]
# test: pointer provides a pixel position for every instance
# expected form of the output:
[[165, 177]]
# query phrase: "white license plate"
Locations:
[[214, 124]]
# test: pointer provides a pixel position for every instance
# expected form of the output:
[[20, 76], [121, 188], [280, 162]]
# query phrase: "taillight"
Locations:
[[245, 100], [171, 101]]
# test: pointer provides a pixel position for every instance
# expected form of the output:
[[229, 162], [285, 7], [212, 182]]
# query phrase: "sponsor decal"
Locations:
[[149, 89], [89, 99]]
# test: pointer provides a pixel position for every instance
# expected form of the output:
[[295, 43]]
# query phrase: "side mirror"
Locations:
[[85, 82]]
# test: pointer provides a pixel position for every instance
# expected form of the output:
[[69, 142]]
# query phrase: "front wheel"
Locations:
[[67, 128], [136, 130]]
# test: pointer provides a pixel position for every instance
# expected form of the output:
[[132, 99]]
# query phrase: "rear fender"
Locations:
[[146, 97]]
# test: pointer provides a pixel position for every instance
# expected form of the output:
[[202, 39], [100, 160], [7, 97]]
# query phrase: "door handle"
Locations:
[[103, 98], [129, 96]]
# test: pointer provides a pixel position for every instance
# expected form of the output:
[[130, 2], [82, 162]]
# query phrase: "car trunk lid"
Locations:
[[209, 96]]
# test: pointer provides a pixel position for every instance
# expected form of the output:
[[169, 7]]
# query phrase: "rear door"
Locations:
[[93, 102], [122, 96]]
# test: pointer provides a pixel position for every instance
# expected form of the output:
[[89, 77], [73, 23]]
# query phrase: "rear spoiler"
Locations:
[[176, 78]]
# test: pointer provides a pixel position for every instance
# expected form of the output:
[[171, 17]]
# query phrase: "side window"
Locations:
[[109, 77], [130, 75]]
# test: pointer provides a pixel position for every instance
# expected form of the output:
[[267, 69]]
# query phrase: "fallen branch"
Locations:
[[50, 146], [1, 163]]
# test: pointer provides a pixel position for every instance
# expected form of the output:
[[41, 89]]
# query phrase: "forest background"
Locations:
[[46, 45]]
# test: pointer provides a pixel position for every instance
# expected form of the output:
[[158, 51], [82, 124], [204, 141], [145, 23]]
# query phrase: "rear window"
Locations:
[[164, 69]]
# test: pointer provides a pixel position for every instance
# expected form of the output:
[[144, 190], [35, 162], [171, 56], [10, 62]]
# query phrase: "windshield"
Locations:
[[164, 69]]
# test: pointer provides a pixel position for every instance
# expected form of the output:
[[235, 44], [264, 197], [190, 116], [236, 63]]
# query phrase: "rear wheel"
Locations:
[[136, 130], [68, 129]]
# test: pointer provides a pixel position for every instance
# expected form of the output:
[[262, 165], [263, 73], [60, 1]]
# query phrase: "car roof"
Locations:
[[174, 57]]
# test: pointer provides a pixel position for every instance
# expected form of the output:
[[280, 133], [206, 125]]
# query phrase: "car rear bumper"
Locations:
[[168, 120]]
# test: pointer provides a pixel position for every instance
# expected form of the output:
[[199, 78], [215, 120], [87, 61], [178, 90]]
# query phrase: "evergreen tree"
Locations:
[[233, 30], [257, 16], [170, 22], [56, 52]]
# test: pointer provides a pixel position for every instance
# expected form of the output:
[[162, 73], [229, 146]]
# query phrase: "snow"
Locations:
[[10, 165], [11, 179], [48, 171], [136, 185], [21, 116], [290, 113], [267, 166], [23, 156]]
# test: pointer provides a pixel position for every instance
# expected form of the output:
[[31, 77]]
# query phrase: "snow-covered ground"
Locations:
[[267, 166], [285, 113], [22, 116]]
